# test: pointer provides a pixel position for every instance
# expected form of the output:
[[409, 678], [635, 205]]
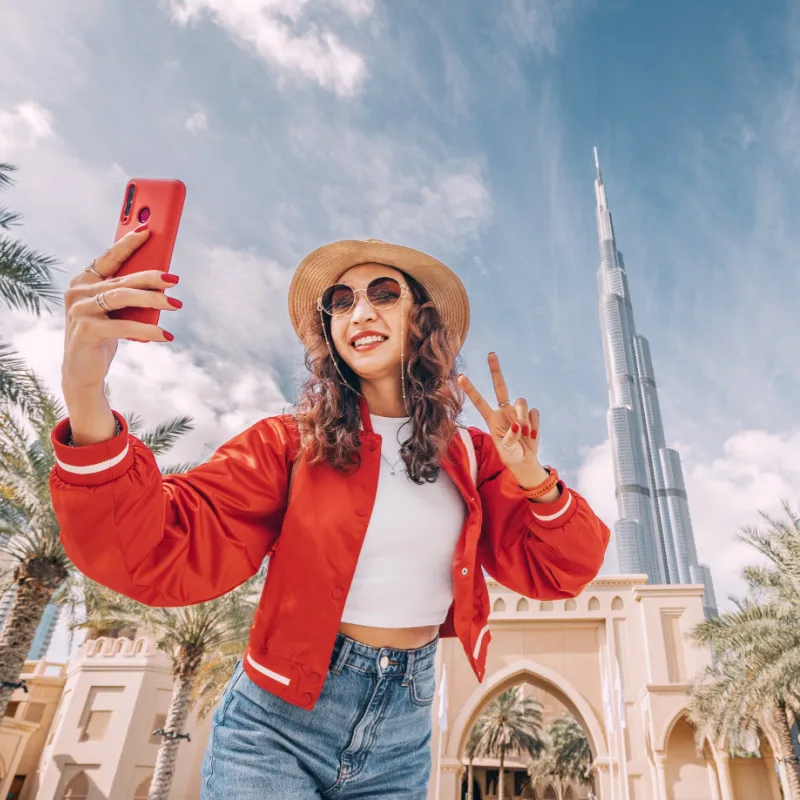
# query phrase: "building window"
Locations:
[[158, 724], [11, 708], [15, 790], [96, 725], [77, 788]]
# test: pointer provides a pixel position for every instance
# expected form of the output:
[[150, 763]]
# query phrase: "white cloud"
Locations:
[[372, 186], [757, 471], [280, 33], [24, 127], [197, 122], [537, 22], [159, 381]]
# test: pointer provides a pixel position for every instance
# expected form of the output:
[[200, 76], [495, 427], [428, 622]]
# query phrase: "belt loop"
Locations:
[[409, 668], [347, 646]]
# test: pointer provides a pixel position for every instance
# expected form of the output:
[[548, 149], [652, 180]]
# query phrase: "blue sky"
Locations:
[[466, 130]]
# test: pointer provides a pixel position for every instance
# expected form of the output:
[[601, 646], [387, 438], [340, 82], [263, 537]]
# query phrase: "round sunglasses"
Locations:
[[382, 294]]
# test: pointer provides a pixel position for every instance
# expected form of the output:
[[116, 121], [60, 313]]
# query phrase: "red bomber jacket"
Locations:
[[182, 539]]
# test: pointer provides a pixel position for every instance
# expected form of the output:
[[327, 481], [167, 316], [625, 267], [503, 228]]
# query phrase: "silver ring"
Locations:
[[507, 403], [91, 269], [101, 301]]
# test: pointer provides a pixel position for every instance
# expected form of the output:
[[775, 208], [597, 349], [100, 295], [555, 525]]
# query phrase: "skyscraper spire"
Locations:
[[654, 530]]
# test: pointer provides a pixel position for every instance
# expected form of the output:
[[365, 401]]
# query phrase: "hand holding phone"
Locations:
[[159, 205]]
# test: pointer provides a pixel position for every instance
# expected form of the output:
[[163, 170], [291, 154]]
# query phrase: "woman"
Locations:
[[379, 513]]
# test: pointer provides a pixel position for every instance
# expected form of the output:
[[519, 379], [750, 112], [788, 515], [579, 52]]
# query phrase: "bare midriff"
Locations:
[[393, 638]]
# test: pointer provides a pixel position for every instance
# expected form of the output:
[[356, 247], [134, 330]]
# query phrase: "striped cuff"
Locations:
[[92, 464], [556, 513]]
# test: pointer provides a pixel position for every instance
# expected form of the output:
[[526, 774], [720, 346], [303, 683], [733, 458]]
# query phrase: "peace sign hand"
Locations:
[[514, 429]]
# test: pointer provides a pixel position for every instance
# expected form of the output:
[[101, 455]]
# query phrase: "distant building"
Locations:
[[654, 531]]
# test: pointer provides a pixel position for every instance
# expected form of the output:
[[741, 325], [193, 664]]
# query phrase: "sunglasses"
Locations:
[[382, 294]]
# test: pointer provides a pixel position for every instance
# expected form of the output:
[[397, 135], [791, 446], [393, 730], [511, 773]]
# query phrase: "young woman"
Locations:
[[379, 512]]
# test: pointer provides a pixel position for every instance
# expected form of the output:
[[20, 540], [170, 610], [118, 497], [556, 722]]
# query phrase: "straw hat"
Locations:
[[325, 265]]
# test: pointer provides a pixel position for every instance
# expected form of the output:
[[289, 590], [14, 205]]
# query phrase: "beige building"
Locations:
[[98, 744]]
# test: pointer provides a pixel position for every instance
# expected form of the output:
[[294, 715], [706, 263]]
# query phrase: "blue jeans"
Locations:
[[367, 737]]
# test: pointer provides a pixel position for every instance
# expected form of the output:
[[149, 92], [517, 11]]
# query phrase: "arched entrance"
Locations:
[[516, 780]]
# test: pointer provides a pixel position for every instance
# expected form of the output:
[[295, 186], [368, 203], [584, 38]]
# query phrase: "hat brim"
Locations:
[[325, 265]]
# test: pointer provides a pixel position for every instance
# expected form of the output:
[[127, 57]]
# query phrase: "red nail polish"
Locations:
[[167, 335], [174, 302], [167, 278], [525, 430], [534, 433], [514, 427], [140, 228]]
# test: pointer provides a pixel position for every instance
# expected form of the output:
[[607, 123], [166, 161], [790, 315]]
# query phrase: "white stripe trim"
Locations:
[[477, 650], [91, 469], [268, 672], [551, 517]]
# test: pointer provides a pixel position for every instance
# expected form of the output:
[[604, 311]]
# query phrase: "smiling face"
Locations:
[[367, 338]]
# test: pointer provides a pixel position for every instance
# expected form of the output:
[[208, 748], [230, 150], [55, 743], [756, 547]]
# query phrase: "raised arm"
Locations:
[[545, 550], [171, 540]]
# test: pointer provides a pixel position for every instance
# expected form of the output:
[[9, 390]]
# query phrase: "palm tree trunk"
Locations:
[[470, 787], [23, 619], [168, 752], [501, 784], [790, 774]]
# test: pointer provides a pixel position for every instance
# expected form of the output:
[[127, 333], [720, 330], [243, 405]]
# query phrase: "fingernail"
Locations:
[[168, 278], [174, 302], [534, 433], [140, 228], [514, 427], [525, 430], [167, 335]]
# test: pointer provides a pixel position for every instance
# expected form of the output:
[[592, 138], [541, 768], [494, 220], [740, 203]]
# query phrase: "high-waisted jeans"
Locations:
[[367, 737]]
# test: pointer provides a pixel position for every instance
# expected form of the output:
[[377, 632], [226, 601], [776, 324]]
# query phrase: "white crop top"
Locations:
[[403, 578]]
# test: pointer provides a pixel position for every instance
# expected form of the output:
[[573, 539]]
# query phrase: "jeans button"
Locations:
[[384, 662]]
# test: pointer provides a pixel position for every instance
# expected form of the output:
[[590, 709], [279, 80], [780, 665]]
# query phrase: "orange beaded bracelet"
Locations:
[[546, 486]]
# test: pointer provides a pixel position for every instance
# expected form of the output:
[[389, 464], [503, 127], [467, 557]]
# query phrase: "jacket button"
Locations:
[[308, 700], [464, 571], [315, 678], [362, 511], [336, 593]]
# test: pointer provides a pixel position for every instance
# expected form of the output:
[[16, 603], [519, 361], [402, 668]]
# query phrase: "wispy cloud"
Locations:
[[197, 121], [279, 32], [24, 126]]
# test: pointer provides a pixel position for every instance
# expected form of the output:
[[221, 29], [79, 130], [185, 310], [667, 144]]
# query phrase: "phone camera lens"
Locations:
[[144, 214], [129, 200]]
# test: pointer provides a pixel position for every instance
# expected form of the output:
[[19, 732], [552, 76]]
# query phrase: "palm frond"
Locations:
[[177, 469], [8, 218], [5, 177], [26, 277], [163, 437]]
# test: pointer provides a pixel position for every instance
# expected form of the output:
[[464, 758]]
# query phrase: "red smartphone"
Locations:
[[159, 203]]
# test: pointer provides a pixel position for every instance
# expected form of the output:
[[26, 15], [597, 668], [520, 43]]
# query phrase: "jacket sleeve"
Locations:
[[541, 550], [171, 540]]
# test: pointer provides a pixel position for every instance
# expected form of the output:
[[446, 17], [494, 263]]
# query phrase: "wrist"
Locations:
[[536, 478]]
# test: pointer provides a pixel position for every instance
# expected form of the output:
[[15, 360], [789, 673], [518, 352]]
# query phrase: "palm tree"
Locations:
[[471, 751], [543, 767], [510, 723], [571, 750], [754, 681], [26, 282], [37, 570], [191, 636]]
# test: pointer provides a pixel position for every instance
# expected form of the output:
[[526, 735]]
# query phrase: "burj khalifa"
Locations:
[[654, 530]]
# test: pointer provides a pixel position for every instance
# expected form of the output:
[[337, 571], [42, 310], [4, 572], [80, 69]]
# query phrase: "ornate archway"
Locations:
[[527, 671]]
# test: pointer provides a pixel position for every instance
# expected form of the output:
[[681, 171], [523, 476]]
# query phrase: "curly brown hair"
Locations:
[[328, 416]]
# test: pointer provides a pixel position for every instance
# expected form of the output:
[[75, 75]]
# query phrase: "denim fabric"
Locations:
[[367, 737]]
